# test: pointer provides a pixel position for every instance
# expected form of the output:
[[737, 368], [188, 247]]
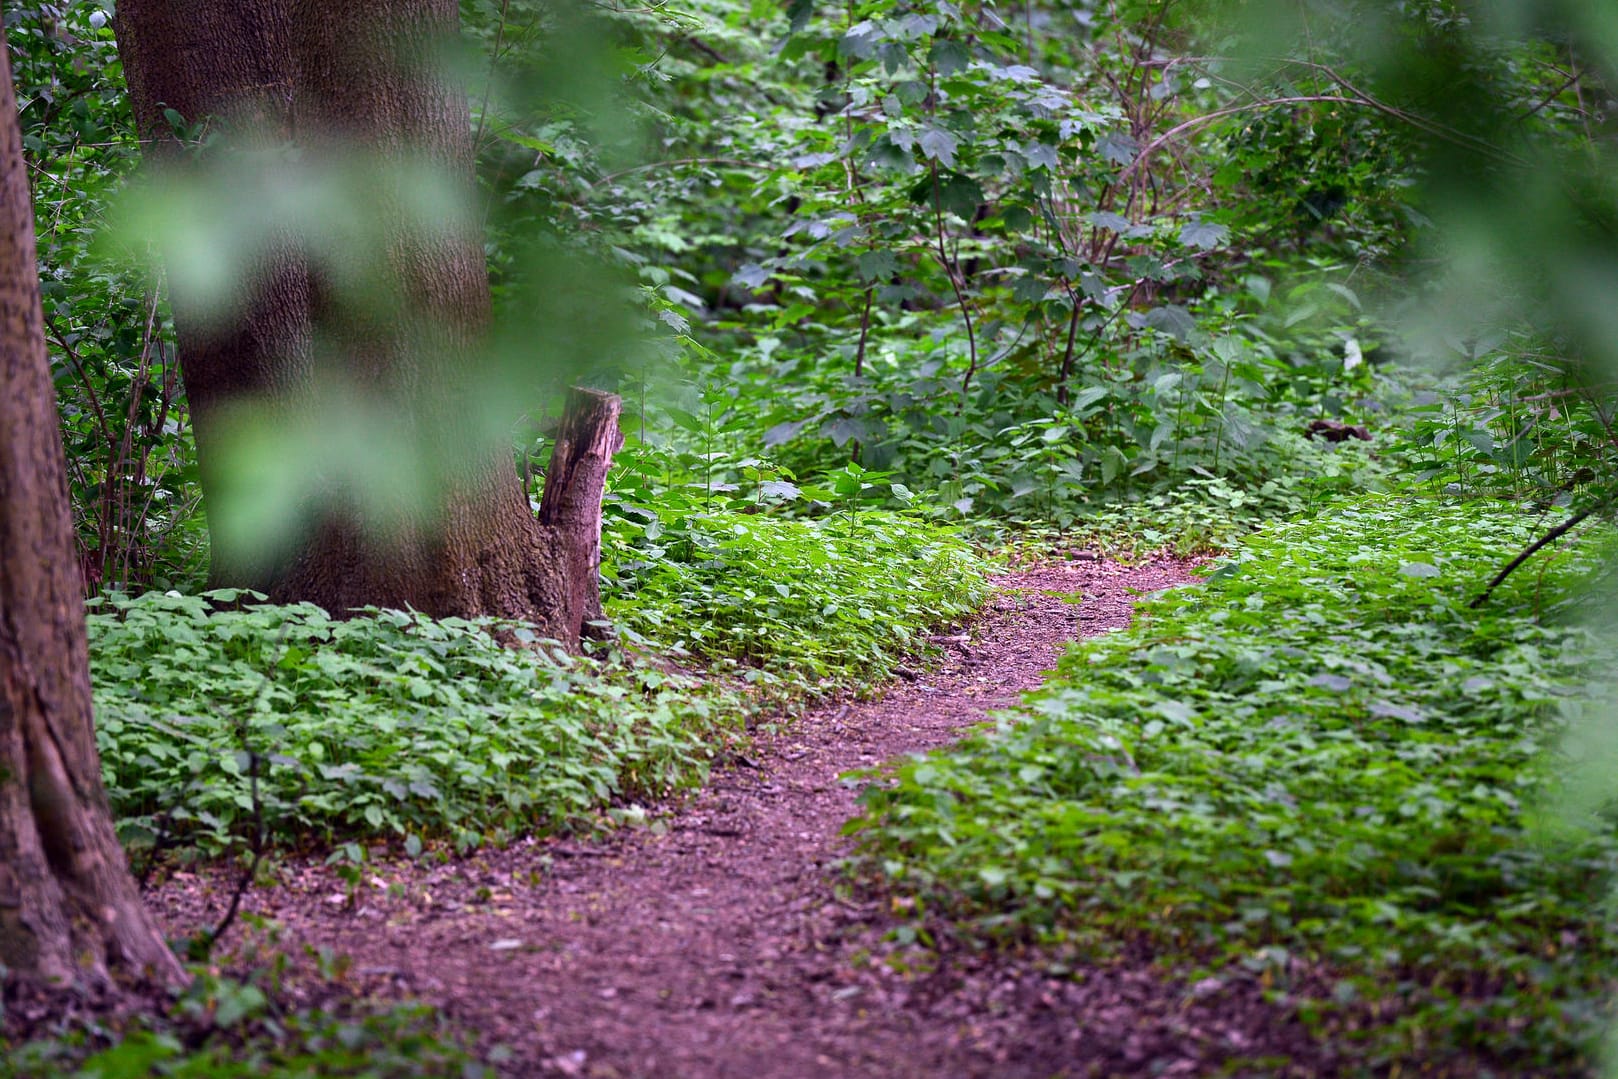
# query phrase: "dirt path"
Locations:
[[725, 947]]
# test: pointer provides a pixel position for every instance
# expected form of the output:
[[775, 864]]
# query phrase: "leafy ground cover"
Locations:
[[389, 724], [811, 603], [947, 253], [217, 717], [221, 1028], [1323, 759]]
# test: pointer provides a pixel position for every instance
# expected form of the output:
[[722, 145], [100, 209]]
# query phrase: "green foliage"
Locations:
[[1322, 753], [1082, 268], [392, 725], [131, 471], [814, 604], [1161, 414], [1035, 266], [1502, 103], [1515, 423], [224, 1029], [1208, 515], [931, 243], [388, 725]]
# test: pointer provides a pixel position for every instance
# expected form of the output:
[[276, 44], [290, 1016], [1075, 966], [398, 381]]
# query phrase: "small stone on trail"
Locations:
[[569, 1064]]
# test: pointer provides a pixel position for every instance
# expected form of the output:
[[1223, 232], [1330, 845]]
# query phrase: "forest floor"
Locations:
[[725, 943]]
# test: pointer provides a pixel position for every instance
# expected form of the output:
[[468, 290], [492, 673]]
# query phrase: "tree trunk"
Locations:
[[570, 507], [366, 84], [69, 909], [228, 65]]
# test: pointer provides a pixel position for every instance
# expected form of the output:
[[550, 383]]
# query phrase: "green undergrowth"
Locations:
[[1209, 514], [1205, 515], [1320, 760], [220, 1028], [385, 725], [797, 604], [217, 715]]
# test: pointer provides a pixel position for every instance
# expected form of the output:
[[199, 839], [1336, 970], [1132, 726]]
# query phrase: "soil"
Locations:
[[724, 942]]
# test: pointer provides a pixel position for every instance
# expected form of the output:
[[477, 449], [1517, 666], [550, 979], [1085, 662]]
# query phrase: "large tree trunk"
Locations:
[[228, 65], [366, 84], [69, 909]]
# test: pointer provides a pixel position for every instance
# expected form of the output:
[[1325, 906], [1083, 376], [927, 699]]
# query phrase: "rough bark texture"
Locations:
[[228, 66], [69, 909], [570, 508], [362, 80]]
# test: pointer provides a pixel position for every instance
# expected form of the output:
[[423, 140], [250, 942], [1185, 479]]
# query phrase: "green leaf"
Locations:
[[950, 192], [948, 56], [1118, 148], [885, 153], [1203, 235], [938, 144], [1172, 319], [878, 265]]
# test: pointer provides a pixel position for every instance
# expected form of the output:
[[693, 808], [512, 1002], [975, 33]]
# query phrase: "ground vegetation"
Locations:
[[483, 448]]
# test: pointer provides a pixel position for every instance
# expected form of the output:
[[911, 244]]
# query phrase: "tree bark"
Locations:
[[69, 910], [570, 506], [367, 85], [230, 66]]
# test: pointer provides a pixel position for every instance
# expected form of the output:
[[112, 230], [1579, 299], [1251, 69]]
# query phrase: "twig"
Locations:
[[1544, 541], [160, 844], [488, 85], [253, 762], [865, 331], [251, 873], [84, 378], [950, 270], [1067, 354]]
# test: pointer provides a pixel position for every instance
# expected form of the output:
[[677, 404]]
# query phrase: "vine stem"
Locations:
[[488, 86], [1067, 353], [865, 332], [1358, 98], [948, 264]]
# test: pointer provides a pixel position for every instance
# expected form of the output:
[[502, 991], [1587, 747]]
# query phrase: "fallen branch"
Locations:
[[1533, 548]]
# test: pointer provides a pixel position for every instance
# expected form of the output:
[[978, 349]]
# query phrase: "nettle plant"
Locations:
[[1518, 422]]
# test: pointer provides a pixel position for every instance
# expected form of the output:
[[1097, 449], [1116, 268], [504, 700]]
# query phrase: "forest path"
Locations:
[[722, 947]]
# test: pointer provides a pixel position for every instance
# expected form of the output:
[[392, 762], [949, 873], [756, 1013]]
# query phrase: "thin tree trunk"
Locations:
[[69, 910]]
